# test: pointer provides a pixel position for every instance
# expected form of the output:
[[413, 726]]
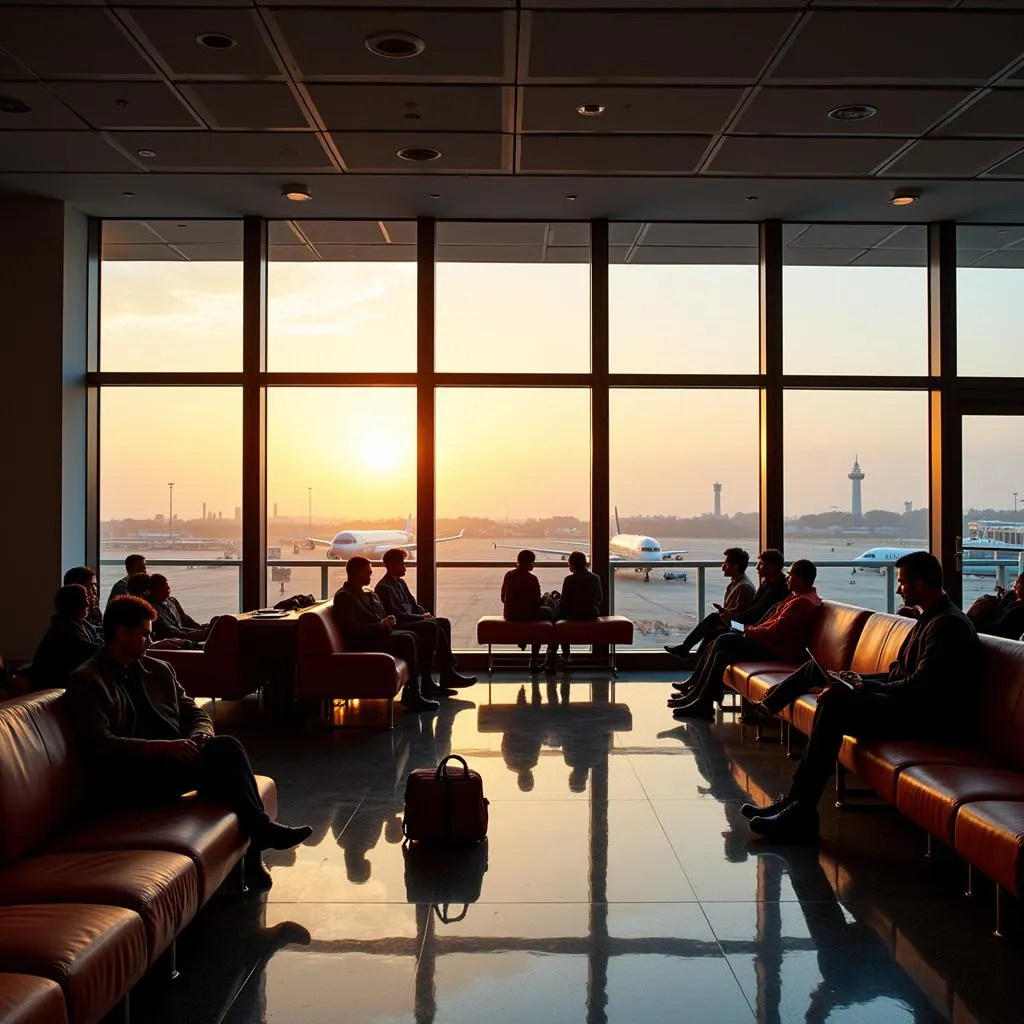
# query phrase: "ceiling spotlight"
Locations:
[[853, 112], [394, 45], [215, 41], [147, 153], [571, 199], [904, 196], [12, 105], [751, 199], [435, 195], [591, 109], [419, 154], [128, 195], [296, 193]]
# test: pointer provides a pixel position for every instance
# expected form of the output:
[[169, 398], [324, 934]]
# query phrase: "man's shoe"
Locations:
[[413, 701], [456, 680], [753, 811], [257, 874], [433, 690], [695, 709], [677, 650], [797, 823], [275, 836], [684, 686]]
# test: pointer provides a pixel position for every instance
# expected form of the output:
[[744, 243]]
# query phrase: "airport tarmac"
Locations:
[[663, 610]]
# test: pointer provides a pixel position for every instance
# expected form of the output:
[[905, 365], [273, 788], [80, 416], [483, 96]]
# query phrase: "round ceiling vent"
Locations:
[[12, 105], [419, 154], [853, 112], [395, 45], [590, 109], [215, 41]]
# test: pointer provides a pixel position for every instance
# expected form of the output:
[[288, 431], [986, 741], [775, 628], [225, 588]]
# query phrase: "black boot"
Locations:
[[753, 811], [796, 823], [414, 701]]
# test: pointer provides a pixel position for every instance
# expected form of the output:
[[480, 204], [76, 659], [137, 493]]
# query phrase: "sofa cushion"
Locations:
[[607, 629], [835, 634], [25, 999], [493, 629], [162, 888], [999, 707], [990, 835], [96, 954], [879, 643], [366, 676], [317, 632], [740, 675], [205, 833], [931, 795]]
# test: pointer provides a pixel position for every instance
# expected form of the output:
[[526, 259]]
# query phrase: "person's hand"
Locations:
[[200, 738], [171, 643], [388, 623], [178, 750], [426, 615], [853, 678]]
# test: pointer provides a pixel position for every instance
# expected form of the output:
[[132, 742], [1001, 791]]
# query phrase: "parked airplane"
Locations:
[[372, 543], [878, 558], [632, 547]]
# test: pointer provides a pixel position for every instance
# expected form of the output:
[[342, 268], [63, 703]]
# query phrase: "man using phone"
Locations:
[[926, 694]]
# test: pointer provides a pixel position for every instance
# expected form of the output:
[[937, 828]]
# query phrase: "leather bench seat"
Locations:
[[990, 835], [931, 795], [25, 999], [744, 676], [606, 629], [493, 629], [800, 714], [96, 954], [162, 888], [211, 838]]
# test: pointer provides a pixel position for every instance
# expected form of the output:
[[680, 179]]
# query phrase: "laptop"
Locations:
[[830, 675]]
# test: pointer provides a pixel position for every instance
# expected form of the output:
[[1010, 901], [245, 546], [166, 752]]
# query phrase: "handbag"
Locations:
[[445, 806], [444, 877]]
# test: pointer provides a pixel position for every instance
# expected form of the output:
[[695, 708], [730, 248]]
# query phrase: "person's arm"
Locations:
[[91, 713], [165, 628], [192, 719], [504, 588], [347, 615], [1010, 624], [948, 645], [789, 628], [186, 620], [598, 593]]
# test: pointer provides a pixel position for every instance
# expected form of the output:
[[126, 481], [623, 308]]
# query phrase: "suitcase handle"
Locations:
[[442, 768], [444, 916]]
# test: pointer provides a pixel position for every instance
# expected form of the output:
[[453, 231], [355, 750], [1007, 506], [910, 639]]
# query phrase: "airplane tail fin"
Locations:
[[408, 525], [618, 529]]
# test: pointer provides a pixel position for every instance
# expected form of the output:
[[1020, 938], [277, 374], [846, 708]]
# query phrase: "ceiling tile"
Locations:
[[342, 232], [627, 109], [611, 154], [819, 257], [199, 232], [124, 232], [459, 153], [567, 254], [842, 236], [241, 151], [893, 258], [464, 232], [571, 233], [247, 104], [994, 236], [292, 254], [910, 236], [996, 113], [950, 158], [1005, 260], [490, 253], [758, 157], [141, 252], [126, 105], [60, 152], [11, 70], [47, 112], [210, 253], [670, 47], [367, 253], [280, 232], [622, 233], [172, 35], [409, 107], [796, 111], [868, 46], [80, 41], [1013, 168], [669, 255], [330, 43], [401, 232], [719, 235]]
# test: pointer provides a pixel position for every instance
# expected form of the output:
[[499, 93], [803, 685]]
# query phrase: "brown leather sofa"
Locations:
[[324, 670], [970, 796], [89, 899], [607, 630], [216, 670]]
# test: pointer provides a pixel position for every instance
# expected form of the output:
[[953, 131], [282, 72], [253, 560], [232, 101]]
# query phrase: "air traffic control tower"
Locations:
[[856, 475]]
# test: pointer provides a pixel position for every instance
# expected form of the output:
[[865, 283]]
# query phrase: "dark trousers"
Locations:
[[707, 680], [840, 713], [222, 773], [433, 642], [706, 630], [803, 680], [545, 614]]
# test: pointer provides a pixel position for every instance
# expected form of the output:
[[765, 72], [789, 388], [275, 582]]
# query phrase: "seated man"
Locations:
[[581, 598], [398, 601], [172, 621], [148, 741], [739, 596], [520, 602], [781, 636], [926, 694], [132, 564], [86, 577], [139, 584], [1002, 613], [365, 626]]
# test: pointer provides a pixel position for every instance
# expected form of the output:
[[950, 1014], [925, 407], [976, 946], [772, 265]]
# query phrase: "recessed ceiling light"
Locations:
[[751, 199], [853, 112], [571, 199], [215, 41], [904, 196], [394, 45], [435, 195], [12, 105], [128, 195], [591, 109], [296, 193], [411, 117], [147, 153], [419, 154]]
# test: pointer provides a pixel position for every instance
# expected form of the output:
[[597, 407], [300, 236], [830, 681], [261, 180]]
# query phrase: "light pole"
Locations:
[[170, 514], [309, 510], [1014, 502]]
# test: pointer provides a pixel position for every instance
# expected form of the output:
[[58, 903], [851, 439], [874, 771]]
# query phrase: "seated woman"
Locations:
[[520, 599], [582, 595]]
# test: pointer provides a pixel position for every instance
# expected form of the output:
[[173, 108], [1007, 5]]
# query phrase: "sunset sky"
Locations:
[[527, 452]]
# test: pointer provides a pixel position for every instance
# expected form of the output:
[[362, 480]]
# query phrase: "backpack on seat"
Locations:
[[445, 806]]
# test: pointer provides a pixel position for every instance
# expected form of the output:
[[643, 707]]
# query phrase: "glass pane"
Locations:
[[683, 298], [341, 296], [513, 297], [691, 499], [171, 295], [347, 487], [993, 526], [513, 470], [856, 486], [174, 493], [855, 299], [990, 301]]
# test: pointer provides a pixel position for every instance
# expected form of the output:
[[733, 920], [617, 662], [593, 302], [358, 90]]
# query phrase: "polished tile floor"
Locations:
[[618, 883]]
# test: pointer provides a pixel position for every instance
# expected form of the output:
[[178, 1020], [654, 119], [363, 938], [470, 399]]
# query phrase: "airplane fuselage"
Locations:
[[365, 542], [635, 547]]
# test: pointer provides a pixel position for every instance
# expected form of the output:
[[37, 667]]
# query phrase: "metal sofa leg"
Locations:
[[122, 1013], [391, 713], [840, 786], [240, 869], [170, 958], [998, 933], [969, 891], [490, 661], [929, 847], [615, 671]]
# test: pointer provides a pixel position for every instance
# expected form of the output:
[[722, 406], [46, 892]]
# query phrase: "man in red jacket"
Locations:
[[781, 636]]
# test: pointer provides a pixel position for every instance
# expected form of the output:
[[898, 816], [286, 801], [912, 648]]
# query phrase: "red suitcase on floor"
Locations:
[[444, 806]]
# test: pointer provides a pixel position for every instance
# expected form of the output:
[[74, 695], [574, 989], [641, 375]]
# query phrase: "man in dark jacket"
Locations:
[[132, 564], [397, 599], [172, 621], [149, 741], [926, 694], [366, 626], [581, 597], [86, 576]]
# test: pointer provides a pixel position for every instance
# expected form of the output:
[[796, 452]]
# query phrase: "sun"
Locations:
[[381, 453]]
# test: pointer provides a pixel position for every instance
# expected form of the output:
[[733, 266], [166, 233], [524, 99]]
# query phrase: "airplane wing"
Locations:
[[561, 552], [672, 554], [319, 540], [412, 547]]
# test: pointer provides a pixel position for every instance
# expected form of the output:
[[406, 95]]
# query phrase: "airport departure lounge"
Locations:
[[515, 511]]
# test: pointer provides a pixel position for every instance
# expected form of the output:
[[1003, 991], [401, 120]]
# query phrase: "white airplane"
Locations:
[[372, 543], [632, 547], [878, 558]]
